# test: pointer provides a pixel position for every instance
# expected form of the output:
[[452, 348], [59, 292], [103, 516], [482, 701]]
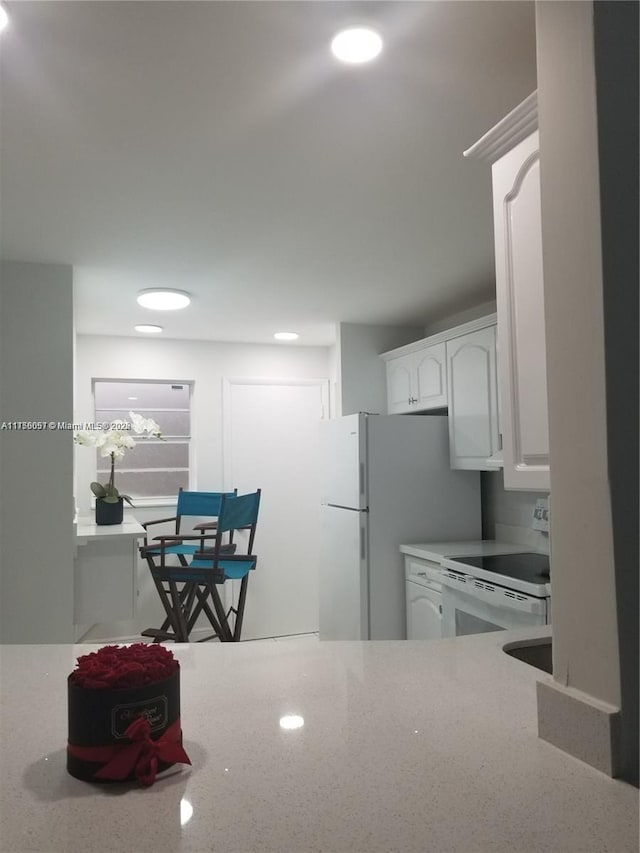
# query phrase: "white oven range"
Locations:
[[496, 592]]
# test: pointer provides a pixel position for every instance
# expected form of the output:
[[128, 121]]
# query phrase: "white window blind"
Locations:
[[154, 468]]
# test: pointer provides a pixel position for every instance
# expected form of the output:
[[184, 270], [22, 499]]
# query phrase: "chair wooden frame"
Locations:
[[200, 578], [188, 503]]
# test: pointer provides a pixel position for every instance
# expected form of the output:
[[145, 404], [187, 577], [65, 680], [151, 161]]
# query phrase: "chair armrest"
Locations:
[[163, 541], [182, 538], [226, 555], [158, 521]]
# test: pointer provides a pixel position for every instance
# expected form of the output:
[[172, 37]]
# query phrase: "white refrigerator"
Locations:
[[385, 480]]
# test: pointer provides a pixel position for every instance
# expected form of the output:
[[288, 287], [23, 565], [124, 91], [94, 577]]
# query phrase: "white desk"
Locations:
[[105, 571]]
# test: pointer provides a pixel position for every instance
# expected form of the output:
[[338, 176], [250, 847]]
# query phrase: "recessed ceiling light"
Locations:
[[132, 398], [286, 336], [148, 330], [163, 299], [4, 18], [356, 44]]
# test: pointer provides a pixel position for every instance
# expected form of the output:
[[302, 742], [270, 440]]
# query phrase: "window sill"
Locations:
[[144, 502], [141, 503]]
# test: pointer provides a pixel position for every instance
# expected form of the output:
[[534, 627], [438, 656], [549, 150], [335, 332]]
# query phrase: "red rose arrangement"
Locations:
[[114, 667], [124, 714]]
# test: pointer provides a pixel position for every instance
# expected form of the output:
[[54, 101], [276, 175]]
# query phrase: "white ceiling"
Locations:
[[217, 147]]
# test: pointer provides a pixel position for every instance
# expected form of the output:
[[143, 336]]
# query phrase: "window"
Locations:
[[154, 468]]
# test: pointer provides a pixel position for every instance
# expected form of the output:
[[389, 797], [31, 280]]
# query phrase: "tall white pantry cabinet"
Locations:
[[512, 147]]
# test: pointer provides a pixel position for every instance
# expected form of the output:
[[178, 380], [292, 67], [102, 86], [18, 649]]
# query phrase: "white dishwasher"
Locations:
[[424, 599]]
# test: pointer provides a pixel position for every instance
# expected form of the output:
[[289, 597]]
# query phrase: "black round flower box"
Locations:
[[99, 720]]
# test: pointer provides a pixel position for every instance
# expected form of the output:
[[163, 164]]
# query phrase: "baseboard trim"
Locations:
[[196, 634], [580, 725]]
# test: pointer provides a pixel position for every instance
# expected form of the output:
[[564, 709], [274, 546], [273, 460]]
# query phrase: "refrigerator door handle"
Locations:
[[363, 544], [361, 478]]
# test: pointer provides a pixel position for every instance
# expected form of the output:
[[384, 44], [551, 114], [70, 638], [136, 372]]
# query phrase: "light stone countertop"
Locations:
[[429, 747]]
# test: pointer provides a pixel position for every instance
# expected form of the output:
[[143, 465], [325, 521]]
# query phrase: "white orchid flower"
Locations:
[[126, 441], [86, 437], [112, 447], [142, 425], [137, 422], [101, 438], [114, 442]]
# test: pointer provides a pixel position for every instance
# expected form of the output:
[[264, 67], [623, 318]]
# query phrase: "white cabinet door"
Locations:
[[417, 382], [473, 402], [424, 613], [105, 579], [521, 327], [399, 384], [430, 372]]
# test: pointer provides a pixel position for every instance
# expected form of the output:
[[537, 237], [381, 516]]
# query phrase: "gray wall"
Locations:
[[616, 52], [508, 515], [362, 383], [36, 466], [461, 317]]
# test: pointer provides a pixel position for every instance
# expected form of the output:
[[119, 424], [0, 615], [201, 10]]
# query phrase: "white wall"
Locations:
[[205, 364], [507, 514], [583, 582], [36, 466], [362, 385]]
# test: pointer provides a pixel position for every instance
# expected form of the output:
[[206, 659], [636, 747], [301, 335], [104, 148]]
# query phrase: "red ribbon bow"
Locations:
[[140, 755]]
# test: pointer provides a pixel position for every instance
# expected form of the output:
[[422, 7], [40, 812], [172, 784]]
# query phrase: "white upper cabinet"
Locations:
[[455, 368], [512, 147], [473, 399], [417, 381]]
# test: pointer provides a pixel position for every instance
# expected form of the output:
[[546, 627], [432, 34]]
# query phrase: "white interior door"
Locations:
[[271, 442]]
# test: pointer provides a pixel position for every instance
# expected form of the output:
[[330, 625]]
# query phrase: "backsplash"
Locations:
[[508, 515]]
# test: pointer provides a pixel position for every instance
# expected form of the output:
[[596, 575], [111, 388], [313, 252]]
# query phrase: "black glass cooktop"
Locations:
[[529, 567]]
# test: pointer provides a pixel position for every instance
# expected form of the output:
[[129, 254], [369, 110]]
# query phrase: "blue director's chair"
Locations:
[[191, 588]]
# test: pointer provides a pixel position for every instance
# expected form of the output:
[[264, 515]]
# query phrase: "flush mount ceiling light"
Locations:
[[163, 299], [286, 336], [148, 330], [4, 18], [356, 45]]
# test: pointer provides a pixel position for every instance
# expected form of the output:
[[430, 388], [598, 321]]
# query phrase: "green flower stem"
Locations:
[[112, 474]]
